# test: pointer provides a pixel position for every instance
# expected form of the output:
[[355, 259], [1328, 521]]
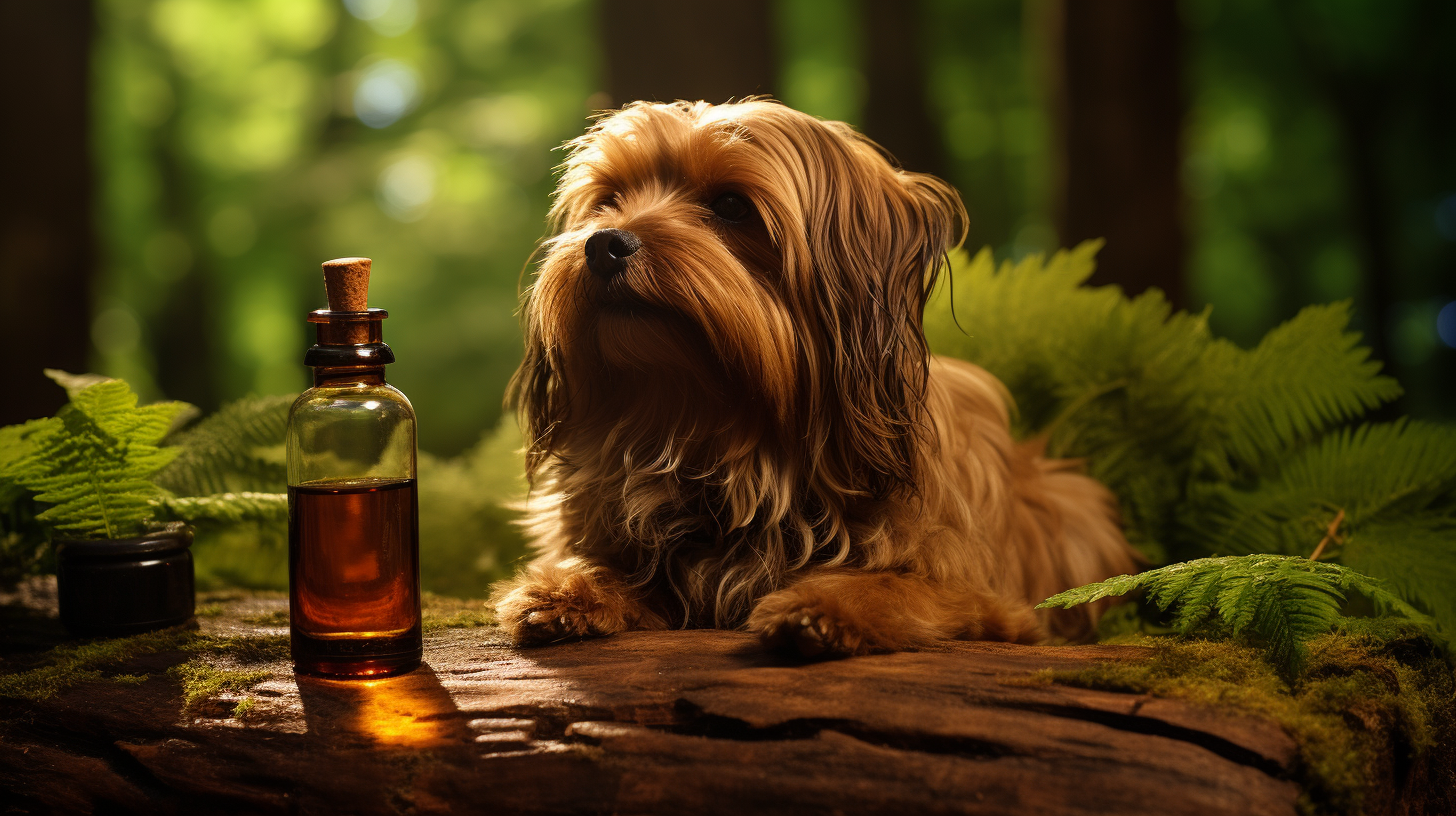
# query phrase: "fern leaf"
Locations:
[[1415, 555], [74, 383], [1393, 485], [229, 508], [94, 464], [1090, 593], [1306, 376], [1279, 602], [17, 445], [1105, 378], [238, 449]]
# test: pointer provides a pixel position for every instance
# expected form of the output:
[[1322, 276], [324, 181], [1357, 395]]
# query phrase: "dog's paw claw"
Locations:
[[805, 633], [542, 626]]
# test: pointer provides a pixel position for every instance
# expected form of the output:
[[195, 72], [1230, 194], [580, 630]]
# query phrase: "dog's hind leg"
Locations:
[[846, 612], [558, 599]]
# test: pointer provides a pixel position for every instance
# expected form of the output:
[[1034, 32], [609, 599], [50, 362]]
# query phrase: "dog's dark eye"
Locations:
[[731, 207]]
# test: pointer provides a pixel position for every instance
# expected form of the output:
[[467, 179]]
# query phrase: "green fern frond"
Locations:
[[1306, 376], [226, 508], [74, 383], [94, 462], [1415, 555], [1393, 488], [238, 449], [17, 444], [1105, 378], [1278, 602]]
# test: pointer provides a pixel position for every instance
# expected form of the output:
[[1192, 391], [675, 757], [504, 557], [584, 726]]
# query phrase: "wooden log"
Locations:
[[672, 722]]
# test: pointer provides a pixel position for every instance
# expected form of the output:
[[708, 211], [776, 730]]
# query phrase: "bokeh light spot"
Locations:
[[116, 331], [297, 24], [167, 255], [1245, 138], [973, 134], [1446, 324], [232, 231], [1231, 273], [387, 91], [1413, 331], [509, 120], [1446, 218], [367, 9], [1335, 273], [390, 18], [406, 188]]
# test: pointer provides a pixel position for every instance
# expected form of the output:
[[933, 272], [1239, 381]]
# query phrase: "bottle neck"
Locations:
[[337, 376]]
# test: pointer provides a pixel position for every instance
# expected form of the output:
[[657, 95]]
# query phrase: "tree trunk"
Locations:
[[665, 50], [897, 112], [1117, 103], [46, 246]]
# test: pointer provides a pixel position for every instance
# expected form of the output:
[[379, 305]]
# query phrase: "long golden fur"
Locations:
[[743, 427]]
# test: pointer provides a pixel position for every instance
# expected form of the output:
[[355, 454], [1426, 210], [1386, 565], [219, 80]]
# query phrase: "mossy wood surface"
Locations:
[[213, 720]]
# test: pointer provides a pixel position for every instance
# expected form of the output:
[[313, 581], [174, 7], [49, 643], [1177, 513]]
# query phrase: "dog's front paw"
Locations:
[[806, 627], [564, 601], [552, 622], [535, 614]]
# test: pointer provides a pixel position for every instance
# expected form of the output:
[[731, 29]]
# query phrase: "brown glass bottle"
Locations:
[[353, 540]]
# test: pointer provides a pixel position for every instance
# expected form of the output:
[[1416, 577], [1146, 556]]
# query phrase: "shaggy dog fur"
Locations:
[[733, 419]]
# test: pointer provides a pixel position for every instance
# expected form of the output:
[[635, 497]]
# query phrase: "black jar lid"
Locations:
[[172, 538]]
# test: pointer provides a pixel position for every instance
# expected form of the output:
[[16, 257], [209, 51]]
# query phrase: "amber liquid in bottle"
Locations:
[[353, 512], [354, 576]]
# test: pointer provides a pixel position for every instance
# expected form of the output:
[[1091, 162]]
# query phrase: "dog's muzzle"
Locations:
[[607, 252]]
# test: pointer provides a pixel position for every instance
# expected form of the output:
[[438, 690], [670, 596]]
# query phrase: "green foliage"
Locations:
[[468, 535], [100, 467], [1152, 399], [93, 462], [1279, 602], [225, 508], [21, 536], [1393, 485], [1305, 377], [238, 449], [232, 159], [1216, 450], [1096, 372]]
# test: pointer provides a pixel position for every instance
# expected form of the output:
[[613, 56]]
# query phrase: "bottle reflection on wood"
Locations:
[[353, 540]]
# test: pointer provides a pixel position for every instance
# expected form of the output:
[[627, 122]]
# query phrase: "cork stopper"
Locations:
[[346, 281]]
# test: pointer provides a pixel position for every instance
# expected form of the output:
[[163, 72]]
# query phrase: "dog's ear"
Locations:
[[534, 394], [878, 238]]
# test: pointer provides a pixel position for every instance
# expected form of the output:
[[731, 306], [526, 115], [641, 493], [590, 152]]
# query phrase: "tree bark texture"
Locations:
[[46, 246], [664, 50], [1117, 108]]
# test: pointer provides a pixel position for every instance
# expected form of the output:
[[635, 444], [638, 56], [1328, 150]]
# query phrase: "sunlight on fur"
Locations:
[[732, 418]]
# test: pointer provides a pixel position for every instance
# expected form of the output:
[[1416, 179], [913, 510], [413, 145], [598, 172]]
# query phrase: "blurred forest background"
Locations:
[[175, 170]]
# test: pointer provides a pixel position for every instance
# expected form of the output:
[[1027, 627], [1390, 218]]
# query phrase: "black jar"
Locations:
[[122, 586]]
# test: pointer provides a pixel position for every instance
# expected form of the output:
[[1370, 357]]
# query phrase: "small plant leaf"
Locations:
[[1279, 602]]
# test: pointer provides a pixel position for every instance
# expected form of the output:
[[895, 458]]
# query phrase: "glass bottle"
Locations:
[[353, 518]]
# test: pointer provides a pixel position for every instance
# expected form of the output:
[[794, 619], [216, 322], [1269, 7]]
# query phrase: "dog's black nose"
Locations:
[[607, 251]]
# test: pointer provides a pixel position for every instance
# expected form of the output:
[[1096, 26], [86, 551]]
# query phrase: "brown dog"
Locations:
[[733, 419]]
